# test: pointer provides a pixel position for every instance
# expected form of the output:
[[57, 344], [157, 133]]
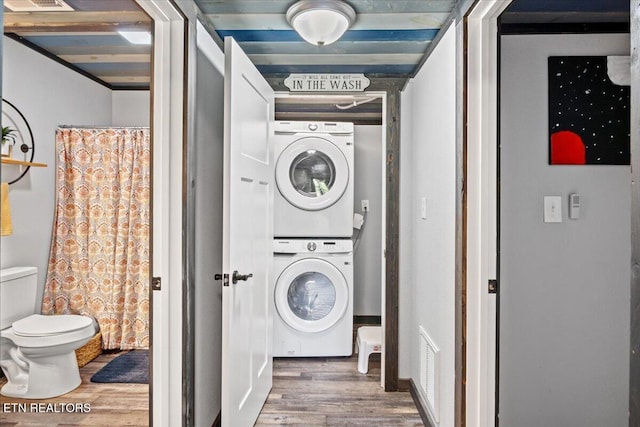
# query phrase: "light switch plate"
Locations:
[[552, 209]]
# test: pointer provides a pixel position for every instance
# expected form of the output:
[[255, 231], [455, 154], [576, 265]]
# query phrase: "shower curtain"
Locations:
[[99, 258]]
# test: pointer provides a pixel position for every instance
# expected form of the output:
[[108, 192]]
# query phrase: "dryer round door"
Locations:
[[311, 295], [312, 173]]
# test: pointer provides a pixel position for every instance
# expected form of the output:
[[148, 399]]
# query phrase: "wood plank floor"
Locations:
[[306, 392], [331, 392], [111, 405]]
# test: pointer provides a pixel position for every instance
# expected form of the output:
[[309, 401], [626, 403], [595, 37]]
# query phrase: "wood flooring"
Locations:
[[112, 405], [306, 392], [331, 392]]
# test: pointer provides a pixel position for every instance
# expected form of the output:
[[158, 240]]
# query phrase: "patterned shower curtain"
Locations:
[[99, 259]]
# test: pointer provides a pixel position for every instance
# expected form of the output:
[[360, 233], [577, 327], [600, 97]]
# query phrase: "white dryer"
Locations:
[[313, 297], [314, 175]]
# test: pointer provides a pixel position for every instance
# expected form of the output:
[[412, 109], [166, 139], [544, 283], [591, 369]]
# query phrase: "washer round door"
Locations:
[[312, 173], [311, 295]]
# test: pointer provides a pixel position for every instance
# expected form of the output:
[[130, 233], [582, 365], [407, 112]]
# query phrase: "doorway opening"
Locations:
[[85, 93], [496, 55], [367, 111]]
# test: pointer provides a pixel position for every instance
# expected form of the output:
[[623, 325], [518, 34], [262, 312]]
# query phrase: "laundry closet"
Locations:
[[368, 183], [327, 224], [211, 223]]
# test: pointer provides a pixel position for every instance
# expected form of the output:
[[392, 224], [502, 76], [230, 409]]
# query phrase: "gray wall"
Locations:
[[564, 288], [634, 398], [368, 185]]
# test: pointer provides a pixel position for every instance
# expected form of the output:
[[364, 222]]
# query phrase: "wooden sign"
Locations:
[[326, 82]]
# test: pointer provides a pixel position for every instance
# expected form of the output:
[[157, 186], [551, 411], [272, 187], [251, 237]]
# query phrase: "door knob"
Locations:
[[236, 277]]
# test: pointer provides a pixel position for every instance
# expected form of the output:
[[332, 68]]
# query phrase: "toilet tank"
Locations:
[[18, 287]]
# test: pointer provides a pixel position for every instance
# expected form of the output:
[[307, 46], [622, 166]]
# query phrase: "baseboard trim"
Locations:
[[367, 320], [422, 409], [404, 384], [218, 421]]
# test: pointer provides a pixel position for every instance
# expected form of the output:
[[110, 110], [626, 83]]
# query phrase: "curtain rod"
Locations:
[[101, 127]]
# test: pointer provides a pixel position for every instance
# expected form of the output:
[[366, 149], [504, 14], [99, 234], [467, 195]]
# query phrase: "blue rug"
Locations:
[[131, 367]]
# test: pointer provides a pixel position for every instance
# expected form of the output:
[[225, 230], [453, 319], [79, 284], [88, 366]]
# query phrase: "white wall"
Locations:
[[407, 215], [48, 95], [564, 288], [131, 108], [429, 100], [368, 184]]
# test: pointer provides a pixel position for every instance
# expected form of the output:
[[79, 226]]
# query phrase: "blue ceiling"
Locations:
[[569, 6], [87, 40], [389, 38], [552, 12]]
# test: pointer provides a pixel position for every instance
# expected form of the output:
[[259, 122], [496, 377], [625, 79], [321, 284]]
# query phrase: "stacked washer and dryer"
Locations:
[[313, 252]]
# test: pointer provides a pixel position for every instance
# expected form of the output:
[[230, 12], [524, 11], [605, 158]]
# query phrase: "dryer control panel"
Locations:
[[313, 127], [320, 246]]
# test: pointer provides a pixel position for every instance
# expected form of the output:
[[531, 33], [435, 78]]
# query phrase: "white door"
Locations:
[[205, 214], [247, 356]]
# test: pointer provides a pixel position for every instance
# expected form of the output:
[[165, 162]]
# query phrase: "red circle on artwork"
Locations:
[[567, 148]]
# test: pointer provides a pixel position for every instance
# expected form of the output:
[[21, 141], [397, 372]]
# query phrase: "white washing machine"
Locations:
[[314, 175], [313, 297]]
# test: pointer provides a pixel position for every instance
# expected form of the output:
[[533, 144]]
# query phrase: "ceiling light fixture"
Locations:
[[321, 22]]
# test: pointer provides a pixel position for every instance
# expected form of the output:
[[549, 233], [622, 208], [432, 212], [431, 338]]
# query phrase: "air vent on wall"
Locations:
[[430, 373], [37, 6]]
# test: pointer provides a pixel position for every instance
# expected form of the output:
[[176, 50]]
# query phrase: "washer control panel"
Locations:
[[285, 127], [324, 246]]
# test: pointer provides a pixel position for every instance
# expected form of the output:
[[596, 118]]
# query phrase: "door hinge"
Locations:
[[156, 283], [493, 286], [223, 277]]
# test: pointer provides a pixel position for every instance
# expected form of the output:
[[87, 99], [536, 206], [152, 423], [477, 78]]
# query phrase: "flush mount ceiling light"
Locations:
[[321, 22]]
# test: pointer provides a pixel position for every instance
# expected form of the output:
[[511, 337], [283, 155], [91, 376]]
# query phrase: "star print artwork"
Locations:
[[589, 110]]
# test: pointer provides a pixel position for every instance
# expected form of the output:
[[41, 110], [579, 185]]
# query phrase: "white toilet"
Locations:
[[37, 353]]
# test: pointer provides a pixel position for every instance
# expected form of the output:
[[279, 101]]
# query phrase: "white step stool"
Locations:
[[368, 340]]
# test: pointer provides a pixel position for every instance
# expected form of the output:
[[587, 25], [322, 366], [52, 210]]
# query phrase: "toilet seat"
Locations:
[[38, 325], [37, 331]]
